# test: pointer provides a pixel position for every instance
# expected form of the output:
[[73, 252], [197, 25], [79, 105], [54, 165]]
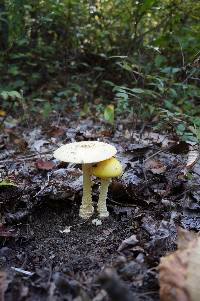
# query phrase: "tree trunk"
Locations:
[[3, 26]]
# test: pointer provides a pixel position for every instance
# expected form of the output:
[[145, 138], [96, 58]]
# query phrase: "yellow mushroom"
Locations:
[[85, 153], [105, 170]]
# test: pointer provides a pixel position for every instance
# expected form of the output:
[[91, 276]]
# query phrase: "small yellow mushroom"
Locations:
[[105, 170]]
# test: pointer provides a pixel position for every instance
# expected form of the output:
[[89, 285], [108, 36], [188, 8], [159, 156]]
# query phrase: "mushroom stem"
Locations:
[[102, 208], [86, 209]]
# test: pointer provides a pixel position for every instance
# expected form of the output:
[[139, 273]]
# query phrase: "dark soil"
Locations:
[[116, 260], [80, 255]]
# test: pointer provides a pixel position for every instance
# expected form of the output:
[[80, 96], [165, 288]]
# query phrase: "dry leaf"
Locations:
[[155, 166], [152, 137], [44, 165], [2, 113], [56, 132], [128, 242], [38, 144], [193, 157], [4, 232], [179, 272]]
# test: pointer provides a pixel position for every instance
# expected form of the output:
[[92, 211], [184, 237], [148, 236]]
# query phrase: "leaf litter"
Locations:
[[146, 204]]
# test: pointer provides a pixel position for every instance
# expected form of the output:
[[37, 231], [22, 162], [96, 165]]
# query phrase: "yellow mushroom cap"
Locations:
[[107, 169]]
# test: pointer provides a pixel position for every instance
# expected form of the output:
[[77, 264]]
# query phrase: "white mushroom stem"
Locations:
[[102, 208], [86, 209]]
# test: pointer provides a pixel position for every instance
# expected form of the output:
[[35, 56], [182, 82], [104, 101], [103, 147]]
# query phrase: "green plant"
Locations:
[[109, 113]]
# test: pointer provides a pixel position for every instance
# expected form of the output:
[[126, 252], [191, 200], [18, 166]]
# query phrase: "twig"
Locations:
[[195, 78], [44, 186], [183, 58], [153, 155], [27, 158], [27, 273]]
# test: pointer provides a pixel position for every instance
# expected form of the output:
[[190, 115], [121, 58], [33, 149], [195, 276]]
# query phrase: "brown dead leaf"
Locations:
[[44, 164], [21, 144], [105, 133], [4, 232], [179, 147], [184, 237], [2, 113], [155, 166], [17, 140], [179, 272], [56, 132]]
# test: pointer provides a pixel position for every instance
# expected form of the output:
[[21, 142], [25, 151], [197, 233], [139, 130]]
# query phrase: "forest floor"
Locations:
[[48, 253]]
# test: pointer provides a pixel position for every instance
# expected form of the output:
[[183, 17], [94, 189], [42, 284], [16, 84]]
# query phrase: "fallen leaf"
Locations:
[[38, 144], [180, 147], [184, 237], [155, 166], [56, 132], [44, 165], [105, 133], [21, 144], [193, 157], [179, 271], [4, 232], [151, 137], [2, 113], [128, 242]]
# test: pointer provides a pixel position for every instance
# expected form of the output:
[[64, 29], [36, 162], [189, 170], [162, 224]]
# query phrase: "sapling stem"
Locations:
[[102, 208], [86, 209]]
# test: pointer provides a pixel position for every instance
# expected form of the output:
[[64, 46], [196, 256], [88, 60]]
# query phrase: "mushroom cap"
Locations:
[[107, 169], [85, 152]]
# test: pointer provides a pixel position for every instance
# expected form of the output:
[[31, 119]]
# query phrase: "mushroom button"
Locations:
[[86, 153], [105, 170]]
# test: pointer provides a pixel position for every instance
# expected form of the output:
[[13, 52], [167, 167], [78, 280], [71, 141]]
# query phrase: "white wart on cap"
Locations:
[[85, 152]]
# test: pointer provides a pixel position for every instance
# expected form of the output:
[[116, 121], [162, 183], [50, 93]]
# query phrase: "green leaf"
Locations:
[[137, 90], [14, 95], [6, 182], [146, 5], [4, 95], [170, 70], [109, 113], [122, 95], [46, 110], [86, 109], [13, 70], [159, 60], [180, 128], [10, 94]]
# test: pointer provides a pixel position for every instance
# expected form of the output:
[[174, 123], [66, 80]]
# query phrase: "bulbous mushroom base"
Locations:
[[102, 208], [86, 211], [104, 213]]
